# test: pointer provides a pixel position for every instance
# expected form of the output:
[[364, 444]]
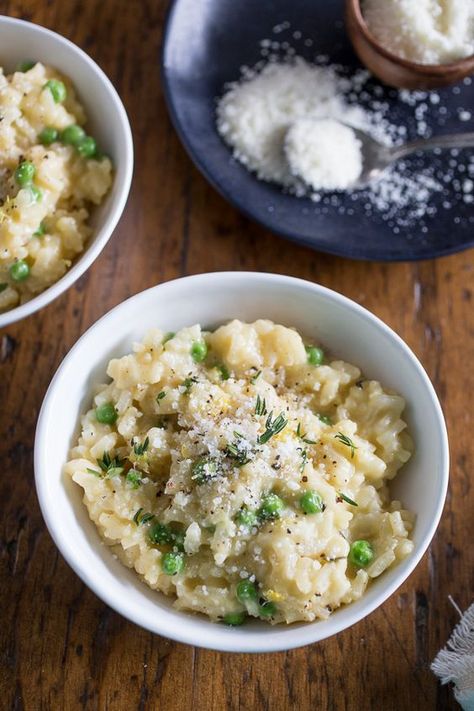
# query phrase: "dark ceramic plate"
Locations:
[[205, 44]]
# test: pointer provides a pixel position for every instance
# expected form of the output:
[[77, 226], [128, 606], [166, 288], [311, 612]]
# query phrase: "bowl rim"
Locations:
[[438, 70], [86, 258], [288, 637]]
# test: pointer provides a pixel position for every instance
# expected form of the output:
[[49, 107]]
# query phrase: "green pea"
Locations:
[[204, 470], [246, 517], [106, 413], [25, 66], [315, 355], [86, 147], [19, 271], [48, 136], [100, 155], [72, 135], [267, 608], [25, 173], [57, 89], [361, 553], [133, 478], [325, 419], [198, 351], [160, 534], [40, 231], [270, 507], [36, 193], [311, 502], [177, 540], [245, 591], [234, 619], [172, 563]]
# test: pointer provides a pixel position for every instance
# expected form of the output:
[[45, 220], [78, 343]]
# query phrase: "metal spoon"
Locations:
[[376, 158]]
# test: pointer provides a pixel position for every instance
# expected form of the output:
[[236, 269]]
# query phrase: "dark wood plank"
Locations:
[[61, 648]]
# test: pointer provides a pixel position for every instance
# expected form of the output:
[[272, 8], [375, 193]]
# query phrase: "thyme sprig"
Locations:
[[108, 467], [273, 427], [302, 436], [346, 499], [140, 449], [347, 441], [304, 458], [188, 383], [260, 406], [239, 453]]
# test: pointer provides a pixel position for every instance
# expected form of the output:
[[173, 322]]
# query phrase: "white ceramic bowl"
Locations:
[[347, 329], [107, 121]]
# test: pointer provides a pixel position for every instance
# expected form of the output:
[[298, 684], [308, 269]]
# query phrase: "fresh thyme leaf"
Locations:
[[105, 462], [187, 383], [256, 376], [304, 459], [204, 469], [140, 449], [113, 471], [93, 471], [273, 427], [137, 514], [302, 435], [110, 467], [241, 453], [260, 406], [347, 441], [224, 371], [325, 419], [346, 499], [3, 287], [140, 518], [160, 396], [134, 479]]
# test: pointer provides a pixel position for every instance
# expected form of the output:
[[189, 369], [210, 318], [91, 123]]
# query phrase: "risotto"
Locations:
[[244, 473], [51, 174]]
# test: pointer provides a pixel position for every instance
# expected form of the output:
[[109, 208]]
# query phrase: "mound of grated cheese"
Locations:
[[423, 31], [254, 115], [324, 153]]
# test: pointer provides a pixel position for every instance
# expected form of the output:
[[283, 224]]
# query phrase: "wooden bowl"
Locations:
[[393, 70]]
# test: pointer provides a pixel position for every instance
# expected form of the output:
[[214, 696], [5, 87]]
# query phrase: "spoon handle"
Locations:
[[457, 140]]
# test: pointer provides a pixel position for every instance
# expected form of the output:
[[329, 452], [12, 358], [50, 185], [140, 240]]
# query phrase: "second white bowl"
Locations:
[[346, 329], [107, 120]]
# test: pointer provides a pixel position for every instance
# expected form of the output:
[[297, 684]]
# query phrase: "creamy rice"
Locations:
[[44, 224], [205, 432]]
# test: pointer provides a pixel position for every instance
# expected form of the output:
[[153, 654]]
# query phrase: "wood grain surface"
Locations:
[[61, 647]]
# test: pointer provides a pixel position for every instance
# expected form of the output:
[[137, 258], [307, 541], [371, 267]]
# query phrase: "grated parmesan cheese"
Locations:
[[254, 115], [411, 194], [425, 31], [325, 154]]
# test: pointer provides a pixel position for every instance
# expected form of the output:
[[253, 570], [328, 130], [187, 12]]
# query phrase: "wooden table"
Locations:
[[61, 647]]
